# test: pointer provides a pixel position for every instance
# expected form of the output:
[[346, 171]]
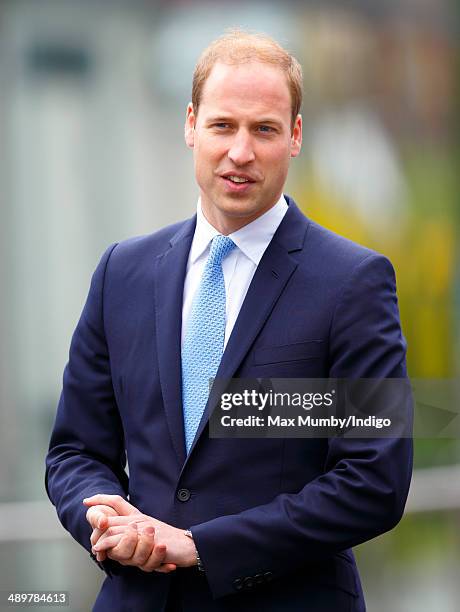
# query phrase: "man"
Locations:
[[248, 288]]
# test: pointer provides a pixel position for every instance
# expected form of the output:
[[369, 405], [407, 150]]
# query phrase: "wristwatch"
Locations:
[[199, 563]]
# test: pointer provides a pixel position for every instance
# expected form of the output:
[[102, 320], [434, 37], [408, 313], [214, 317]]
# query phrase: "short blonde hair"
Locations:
[[239, 47]]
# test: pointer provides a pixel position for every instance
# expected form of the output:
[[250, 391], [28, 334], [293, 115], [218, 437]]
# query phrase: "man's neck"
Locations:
[[226, 224]]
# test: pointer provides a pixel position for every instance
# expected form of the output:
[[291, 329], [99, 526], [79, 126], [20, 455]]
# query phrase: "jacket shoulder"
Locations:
[[156, 242], [149, 246], [336, 251], [323, 247]]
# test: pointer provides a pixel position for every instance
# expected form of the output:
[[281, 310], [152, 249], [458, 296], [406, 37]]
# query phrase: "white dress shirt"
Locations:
[[238, 267]]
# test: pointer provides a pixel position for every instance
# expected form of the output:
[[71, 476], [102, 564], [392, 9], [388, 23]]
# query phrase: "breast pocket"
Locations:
[[300, 351]]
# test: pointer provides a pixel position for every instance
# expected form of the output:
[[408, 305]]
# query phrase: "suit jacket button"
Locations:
[[183, 495], [238, 584], [248, 582], [268, 576]]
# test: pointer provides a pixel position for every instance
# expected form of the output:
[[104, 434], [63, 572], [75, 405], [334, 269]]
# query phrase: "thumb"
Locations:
[[97, 516], [120, 505]]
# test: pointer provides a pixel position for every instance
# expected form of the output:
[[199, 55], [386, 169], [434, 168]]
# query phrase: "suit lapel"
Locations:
[[169, 287], [273, 272]]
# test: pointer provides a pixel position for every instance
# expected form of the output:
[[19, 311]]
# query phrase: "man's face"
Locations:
[[242, 142]]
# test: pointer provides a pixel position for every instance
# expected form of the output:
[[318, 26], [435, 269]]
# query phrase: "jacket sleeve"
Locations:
[[86, 453], [363, 489]]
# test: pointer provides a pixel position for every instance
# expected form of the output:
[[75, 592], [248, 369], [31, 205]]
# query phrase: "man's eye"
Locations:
[[265, 128], [222, 126]]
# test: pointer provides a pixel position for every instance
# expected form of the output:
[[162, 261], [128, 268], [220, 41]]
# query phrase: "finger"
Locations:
[[155, 559], [120, 505], [95, 535], [114, 536], [144, 548], [148, 530], [165, 568], [124, 550], [114, 521], [97, 515], [98, 536], [108, 542]]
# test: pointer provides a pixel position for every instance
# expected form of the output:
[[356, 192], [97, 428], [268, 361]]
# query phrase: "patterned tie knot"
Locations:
[[220, 248]]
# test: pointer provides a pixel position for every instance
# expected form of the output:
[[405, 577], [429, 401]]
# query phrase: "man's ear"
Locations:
[[189, 130], [296, 137]]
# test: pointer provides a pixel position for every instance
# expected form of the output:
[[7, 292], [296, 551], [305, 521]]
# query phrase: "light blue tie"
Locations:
[[204, 339]]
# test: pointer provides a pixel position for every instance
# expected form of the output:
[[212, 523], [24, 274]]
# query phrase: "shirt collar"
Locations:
[[252, 239]]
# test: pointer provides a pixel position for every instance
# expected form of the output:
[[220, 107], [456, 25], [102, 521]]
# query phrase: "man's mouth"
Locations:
[[237, 179]]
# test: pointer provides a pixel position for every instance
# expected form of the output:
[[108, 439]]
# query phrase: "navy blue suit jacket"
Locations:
[[273, 519]]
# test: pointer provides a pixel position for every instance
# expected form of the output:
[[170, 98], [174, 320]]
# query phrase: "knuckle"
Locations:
[[121, 554], [137, 560], [130, 538]]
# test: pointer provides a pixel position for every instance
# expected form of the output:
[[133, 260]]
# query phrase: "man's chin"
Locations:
[[239, 211], [239, 206]]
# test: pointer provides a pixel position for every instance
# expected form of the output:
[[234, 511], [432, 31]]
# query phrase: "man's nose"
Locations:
[[241, 151]]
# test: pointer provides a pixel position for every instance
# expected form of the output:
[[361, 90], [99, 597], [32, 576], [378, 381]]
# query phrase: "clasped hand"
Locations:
[[122, 533]]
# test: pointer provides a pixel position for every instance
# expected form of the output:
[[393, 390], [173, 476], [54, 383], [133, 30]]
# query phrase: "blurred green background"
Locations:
[[92, 103]]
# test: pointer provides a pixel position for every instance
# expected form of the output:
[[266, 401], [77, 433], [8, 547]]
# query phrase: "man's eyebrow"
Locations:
[[229, 119], [271, 120], [219, 119]]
